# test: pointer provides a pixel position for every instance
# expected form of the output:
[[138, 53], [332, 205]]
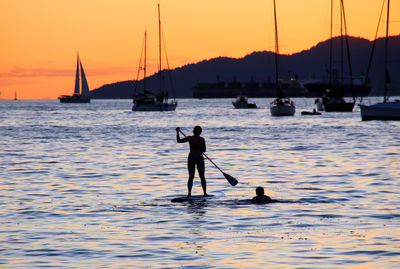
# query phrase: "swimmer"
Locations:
[[261, 198]]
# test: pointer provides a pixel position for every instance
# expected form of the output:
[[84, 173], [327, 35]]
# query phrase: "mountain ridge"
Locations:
[[308, 64]]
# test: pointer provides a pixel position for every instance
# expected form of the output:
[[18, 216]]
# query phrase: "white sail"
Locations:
[[85, 86], [76, 90]]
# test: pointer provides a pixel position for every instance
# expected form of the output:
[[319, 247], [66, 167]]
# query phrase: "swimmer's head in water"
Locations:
[[197, 130], [260, 191]]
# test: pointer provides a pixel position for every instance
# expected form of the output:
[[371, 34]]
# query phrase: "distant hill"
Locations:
[[259, 66]]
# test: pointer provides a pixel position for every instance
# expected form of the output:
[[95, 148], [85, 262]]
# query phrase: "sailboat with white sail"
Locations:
[[148, 101], [281, 106], [81, 92], [385, 110]]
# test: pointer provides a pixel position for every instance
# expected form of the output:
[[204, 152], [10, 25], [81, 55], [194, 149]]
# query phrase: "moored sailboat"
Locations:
[[78, 96], [385, 110], [333, 100], [148, 101], [281, 106]]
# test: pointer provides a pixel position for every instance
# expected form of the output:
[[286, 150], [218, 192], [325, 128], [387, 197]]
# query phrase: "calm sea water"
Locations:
[[89, 186]]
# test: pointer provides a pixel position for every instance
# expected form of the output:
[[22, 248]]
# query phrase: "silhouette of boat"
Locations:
[[148, 101], [252, 89], [78, 96], [242, 102], [333, 98], [333, 101], [281, 106], [317, 88], [314, 112], [385, 110]]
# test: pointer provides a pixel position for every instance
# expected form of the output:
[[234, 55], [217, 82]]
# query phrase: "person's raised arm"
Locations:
[[178, 139]]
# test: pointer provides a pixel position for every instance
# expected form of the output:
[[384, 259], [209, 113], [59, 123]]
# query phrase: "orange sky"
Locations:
[[39, 39]]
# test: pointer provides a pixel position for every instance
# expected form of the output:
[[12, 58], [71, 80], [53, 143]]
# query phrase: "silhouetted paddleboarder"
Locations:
[[261, 198], [197, 148]]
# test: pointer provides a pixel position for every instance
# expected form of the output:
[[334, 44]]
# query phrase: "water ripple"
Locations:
[[89, 186]]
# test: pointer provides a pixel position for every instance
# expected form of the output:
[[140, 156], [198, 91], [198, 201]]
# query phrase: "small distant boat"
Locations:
[[148, 101], [15, 96], [281, 106], [242, 102], [78, 96], [314, 112], [385, 110]]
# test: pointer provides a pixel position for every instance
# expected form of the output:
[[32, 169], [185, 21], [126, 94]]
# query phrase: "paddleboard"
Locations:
[[185, 198]]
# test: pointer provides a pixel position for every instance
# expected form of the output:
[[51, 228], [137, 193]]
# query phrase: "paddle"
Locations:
[[233, 181]]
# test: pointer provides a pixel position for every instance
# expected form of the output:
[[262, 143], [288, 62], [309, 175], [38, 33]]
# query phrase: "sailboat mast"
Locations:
[[348, 51], [386, 54], [372, 51], [145, 61], [331, 47], [159, 47], [276, 53], [341, 47]]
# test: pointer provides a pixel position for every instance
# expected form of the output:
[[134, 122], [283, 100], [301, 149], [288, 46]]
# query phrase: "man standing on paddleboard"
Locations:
[[197, 148]]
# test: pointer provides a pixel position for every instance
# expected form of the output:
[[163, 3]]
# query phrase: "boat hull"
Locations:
[[339, 107], [74, 99], [242, 102], [310, 113], [282, 111], [155, 107], [243, 106], [381, 111], [282, 108]]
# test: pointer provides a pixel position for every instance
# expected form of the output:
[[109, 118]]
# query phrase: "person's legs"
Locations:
[[201, 170], [191, 169]]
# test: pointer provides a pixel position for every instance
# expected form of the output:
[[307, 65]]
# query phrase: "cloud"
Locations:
[[21, 72]]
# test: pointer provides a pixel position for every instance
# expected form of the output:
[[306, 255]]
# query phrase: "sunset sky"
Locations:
[[40, 38]]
